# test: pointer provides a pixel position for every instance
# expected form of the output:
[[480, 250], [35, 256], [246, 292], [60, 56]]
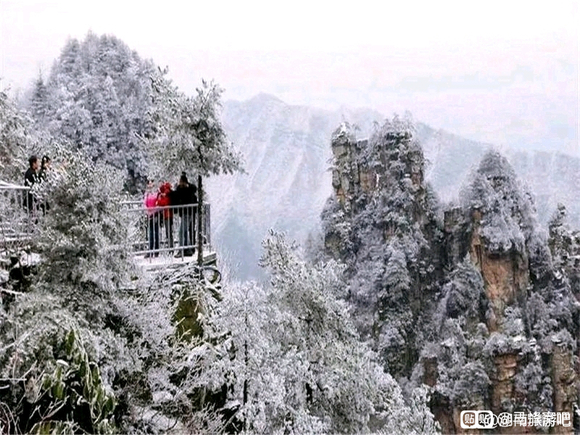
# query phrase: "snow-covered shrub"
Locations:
[[293, 359], [508, 218]]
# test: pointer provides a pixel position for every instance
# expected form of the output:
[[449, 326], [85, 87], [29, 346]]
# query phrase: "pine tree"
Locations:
[[189, 136], [293, 359], [39, 105], [96, 98], [508, 212]]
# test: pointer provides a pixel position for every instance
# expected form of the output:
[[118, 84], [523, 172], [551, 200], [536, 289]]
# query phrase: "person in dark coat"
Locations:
[[30, 179], [185, 196]]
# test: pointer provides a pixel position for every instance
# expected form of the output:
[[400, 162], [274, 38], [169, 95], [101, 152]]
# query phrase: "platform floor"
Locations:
[[169, 261]]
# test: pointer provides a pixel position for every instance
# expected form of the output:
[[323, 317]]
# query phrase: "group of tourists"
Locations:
[[37, 172], [162, 204]]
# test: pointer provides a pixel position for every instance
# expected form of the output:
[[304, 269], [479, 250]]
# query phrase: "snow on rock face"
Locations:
[[474, 324], [503, 381], [287, 151]]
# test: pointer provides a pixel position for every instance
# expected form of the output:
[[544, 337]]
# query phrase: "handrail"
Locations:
[[7, 185], [152, 231], [19, 214], [10, 187], [164, 230], [161, 207]]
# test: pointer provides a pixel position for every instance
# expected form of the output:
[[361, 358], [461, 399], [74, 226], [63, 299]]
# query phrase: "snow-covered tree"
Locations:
[[83, 236], [507, 210], [293, 360], [67, 305], [39, 100], [188, 135], [96, 97], [458, 339], [16, 139]]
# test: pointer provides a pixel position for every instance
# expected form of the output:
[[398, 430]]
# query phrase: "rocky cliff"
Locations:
[[475, 301], [286, 154]]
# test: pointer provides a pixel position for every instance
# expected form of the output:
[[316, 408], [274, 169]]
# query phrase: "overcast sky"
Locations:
[[504, 72]]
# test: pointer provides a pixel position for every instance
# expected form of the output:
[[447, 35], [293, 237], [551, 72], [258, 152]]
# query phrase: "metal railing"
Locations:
[[167, 230], [19, 214]]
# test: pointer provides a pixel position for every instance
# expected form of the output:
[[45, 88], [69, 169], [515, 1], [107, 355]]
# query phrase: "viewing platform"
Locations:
[[161, 238], [166, 237]]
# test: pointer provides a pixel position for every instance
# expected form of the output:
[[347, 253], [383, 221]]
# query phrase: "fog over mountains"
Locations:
[[287, 152]]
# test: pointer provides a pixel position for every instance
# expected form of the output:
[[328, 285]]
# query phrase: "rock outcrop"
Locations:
[[479, 305]]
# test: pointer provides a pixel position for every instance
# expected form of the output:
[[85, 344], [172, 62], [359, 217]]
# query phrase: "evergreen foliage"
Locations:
[[97, 97], [509, 218], [84, 231], [187, 132], [16, 139], [293, 358]]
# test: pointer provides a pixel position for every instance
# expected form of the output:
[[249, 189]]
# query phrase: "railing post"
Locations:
[[199, 222], [207, 225]]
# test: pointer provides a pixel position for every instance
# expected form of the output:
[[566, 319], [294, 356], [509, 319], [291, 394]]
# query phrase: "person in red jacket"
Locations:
[[164, 200]]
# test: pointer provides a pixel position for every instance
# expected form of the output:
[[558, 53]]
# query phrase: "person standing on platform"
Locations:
[[30, 179], [42, 176], [164, 200], [186, 197], [150, 202]]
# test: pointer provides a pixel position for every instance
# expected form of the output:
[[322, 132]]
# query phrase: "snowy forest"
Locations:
[[401, 311]]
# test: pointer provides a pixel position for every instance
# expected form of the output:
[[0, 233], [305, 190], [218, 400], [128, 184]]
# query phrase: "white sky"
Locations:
[[504, 72]]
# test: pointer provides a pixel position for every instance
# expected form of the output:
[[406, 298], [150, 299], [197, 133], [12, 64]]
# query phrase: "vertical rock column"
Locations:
[[564, 381], [344, 168]]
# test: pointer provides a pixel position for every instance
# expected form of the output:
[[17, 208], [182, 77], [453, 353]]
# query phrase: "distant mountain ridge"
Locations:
[[287, 152], [551, 177]]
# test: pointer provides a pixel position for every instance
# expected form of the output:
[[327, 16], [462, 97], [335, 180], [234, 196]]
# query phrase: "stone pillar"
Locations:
[[564, 382]]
